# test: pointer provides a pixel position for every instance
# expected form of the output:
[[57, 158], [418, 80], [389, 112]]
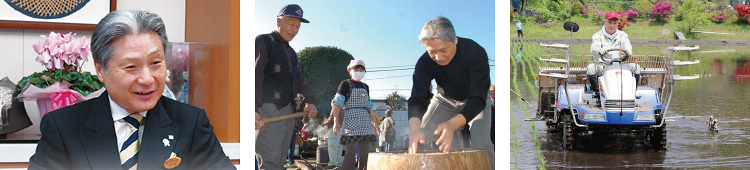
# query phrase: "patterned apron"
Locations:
[[357, 123]]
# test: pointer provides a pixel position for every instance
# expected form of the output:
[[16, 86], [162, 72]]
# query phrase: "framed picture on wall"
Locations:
[[54, 14]]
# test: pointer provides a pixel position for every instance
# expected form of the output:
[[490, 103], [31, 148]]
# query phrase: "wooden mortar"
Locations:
[[429, 160]]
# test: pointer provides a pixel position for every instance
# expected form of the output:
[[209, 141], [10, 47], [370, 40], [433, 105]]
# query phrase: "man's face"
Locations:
[[442, 52], [288, 27], [492, 92], [611, 25], [136, 72]]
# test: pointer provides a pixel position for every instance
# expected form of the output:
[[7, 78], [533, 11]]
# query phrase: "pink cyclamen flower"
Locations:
[[59, 51], [39, 47], [57, 63], [44, 58]]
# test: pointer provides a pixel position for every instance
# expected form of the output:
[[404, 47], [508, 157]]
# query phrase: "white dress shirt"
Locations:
[[122, 129]]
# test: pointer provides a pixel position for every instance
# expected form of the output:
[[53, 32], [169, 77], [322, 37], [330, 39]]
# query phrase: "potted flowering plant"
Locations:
[[62, 83]]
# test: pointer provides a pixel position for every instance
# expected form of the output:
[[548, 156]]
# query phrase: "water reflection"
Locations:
[[718, 66], [742, 73], [603, 151]]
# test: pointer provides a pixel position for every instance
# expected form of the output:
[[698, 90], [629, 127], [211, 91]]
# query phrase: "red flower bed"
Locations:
[[742, 12]]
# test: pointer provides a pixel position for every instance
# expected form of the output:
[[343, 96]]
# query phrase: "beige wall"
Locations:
[[18, 56], [171, 11], [218, 23]]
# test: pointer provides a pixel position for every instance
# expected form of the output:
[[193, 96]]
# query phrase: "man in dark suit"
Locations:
[[492, 129], [130, 126]]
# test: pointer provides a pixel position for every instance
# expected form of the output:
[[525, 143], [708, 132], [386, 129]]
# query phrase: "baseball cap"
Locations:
[[293, 10], [354, 63], [612, 14]]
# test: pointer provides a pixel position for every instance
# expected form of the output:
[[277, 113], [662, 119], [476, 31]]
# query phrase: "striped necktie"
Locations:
[[129, 151]]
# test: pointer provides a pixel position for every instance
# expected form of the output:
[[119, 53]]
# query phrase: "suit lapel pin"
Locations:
[[166, 142], [173, 161], [171, 137]]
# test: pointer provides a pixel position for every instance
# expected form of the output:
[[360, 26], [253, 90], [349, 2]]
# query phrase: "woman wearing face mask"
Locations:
[[359, 128]]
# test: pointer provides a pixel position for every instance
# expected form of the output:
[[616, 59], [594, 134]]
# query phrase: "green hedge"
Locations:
[[323, 68]]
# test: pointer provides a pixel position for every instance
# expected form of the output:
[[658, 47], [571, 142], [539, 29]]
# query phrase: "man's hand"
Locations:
[[446, 136], [258, 123], [446, 130], [311, 110], [415, 136], [415, 139], [602, 51]]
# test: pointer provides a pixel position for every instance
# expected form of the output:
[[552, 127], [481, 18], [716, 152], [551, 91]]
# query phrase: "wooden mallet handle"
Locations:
[[280, 118]]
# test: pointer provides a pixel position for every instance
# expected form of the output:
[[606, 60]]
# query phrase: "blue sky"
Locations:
[[382, 33]]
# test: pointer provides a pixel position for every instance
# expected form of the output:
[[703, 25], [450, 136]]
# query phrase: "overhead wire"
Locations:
[[379, 78]]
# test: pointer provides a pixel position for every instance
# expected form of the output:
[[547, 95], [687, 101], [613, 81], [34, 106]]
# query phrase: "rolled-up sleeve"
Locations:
[[338, 100], [370, 105]]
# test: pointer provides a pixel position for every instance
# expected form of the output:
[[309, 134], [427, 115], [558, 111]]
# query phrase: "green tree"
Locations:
[[323, 68], [561, 9], [693, 15], [644, 7], [395, 101]]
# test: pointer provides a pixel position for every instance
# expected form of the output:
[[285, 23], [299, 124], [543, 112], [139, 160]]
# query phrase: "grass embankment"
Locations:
[[514, 145], [527, 64], [642, 29]]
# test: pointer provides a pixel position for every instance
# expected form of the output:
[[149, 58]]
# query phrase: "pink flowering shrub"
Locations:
[[584, 10], [632, 14], [662, 10], [718, 17]]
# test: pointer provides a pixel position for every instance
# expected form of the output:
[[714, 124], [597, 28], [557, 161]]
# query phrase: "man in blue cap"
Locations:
[[277, 81]]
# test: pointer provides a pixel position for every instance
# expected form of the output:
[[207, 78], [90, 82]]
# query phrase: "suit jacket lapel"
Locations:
[[159, 126], [98, 136]]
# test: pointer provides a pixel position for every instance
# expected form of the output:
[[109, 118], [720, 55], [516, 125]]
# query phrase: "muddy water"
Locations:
[[723, 91]]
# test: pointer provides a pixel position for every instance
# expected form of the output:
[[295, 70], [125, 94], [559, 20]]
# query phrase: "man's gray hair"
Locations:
[[120, 23], [438, 28]]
